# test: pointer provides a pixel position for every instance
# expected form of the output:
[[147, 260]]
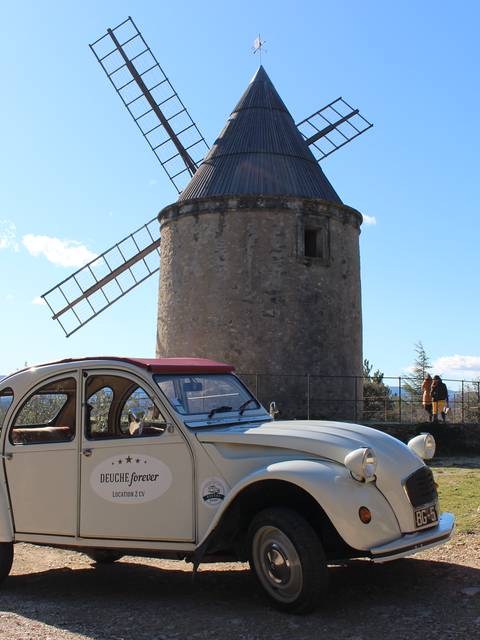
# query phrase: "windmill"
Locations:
[[180, 148]]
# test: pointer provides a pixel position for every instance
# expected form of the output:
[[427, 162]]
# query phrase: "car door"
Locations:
[[136, 467], [41, 459]]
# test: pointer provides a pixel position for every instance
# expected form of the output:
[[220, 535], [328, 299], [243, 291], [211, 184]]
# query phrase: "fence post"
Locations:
[[400, 399], [308, 396], [463, 404]]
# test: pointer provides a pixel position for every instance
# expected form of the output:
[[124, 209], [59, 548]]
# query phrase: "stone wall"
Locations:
[[236, 286]]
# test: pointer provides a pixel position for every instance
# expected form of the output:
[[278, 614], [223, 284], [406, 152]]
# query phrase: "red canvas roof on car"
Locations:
[[163, 365]]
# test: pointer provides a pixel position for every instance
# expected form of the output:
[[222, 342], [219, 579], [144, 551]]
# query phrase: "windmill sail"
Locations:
[[107, 278], [332, 127], [151, 100]]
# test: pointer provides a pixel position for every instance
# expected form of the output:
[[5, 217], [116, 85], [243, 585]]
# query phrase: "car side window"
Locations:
[[140, 416], [48, 415], [98, 410], [117, 407], [6, 399]]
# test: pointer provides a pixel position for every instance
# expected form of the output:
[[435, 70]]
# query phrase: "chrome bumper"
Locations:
[[411, 543]]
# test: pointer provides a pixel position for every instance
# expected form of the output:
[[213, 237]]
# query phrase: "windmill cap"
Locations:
[[260, 151]]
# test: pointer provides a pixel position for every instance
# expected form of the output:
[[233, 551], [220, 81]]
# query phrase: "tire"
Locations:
[[6, 559], [104, 556], [287, 559]]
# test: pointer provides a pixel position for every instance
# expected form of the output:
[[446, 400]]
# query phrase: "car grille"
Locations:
[[420, 487]]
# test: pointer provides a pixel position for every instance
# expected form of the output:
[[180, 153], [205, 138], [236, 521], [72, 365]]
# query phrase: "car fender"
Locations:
[[339, 495], [6, 525]]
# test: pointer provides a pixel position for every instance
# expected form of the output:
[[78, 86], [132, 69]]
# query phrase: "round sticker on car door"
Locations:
[[130, 479], [213, 492]]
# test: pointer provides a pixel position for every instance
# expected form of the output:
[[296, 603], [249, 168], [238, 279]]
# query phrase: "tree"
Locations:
[[377, 399], [412, 385], [471, 400]]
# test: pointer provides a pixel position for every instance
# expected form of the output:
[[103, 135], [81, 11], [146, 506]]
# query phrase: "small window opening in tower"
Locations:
[[313, 243]]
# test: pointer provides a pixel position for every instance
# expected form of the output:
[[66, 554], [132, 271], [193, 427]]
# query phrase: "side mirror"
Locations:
[[273, 411]]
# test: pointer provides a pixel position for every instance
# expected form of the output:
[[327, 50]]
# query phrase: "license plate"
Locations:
[[425, 515]]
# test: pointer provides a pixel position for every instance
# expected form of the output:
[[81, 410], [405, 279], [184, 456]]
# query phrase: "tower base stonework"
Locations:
[[272, 286]]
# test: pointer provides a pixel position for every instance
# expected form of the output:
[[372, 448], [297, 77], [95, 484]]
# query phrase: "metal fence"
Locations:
[[395, 399]]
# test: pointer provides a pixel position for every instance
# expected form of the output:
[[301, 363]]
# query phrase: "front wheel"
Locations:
[[288, 559], [6, 559]]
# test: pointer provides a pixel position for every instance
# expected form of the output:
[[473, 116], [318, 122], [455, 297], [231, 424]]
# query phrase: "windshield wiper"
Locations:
[[219, 410], [243, 406]]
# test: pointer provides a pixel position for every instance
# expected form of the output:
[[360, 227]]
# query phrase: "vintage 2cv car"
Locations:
[[175, 458]]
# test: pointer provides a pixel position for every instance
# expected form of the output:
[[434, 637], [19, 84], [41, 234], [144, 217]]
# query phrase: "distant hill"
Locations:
[[395, 391]]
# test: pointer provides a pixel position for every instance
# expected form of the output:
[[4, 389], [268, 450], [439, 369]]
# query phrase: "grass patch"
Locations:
[[459, 492]]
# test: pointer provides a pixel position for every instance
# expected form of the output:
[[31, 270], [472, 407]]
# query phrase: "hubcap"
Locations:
[[277, 563]]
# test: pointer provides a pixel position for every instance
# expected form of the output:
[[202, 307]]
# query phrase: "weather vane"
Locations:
[[258, 46]]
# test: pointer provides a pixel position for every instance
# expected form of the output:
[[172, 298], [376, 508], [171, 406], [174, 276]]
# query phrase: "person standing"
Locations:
[[427, 396], [439, 393]]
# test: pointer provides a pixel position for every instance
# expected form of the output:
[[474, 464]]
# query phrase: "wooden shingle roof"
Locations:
[[260, 152]]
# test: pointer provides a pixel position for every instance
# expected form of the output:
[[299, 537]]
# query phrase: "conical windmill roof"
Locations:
[[260, 152]]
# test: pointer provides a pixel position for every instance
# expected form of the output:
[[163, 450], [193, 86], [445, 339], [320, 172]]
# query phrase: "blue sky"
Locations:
[[76, 176]]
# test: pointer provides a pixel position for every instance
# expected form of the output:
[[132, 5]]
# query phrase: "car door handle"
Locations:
[[6, 456], [87, 452]]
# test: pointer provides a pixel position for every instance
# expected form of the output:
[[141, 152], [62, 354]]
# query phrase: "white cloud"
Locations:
[[457, 362], [458, 366], [8, 234], [38, 300], [409, 369], [369, 219], [64, 253]]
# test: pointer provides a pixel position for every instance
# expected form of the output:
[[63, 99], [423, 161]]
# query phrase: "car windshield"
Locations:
[[206, 393]]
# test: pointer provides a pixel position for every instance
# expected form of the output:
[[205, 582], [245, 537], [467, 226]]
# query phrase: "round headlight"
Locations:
[[362, 464], [423, 445]]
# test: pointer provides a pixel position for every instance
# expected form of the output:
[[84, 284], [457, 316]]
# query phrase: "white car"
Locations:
[[175, 458]]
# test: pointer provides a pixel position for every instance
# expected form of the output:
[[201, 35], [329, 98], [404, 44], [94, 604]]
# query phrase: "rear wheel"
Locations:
[[288, 559], [104, 556], [6, 559]]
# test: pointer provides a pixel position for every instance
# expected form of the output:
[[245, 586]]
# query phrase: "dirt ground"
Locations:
[[53, 595]]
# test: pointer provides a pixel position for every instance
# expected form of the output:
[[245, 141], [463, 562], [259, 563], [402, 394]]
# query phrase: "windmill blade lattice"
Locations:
[[332, 127], [152, 101], [93, 288]]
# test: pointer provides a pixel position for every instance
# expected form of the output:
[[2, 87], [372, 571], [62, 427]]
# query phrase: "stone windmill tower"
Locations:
[[260, 261], [260, 258]]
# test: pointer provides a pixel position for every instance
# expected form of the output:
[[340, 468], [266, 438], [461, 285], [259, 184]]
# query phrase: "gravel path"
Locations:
[[53, 595]]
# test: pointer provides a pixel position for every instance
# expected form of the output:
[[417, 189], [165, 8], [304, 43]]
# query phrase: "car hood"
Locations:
[[319, 438]]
